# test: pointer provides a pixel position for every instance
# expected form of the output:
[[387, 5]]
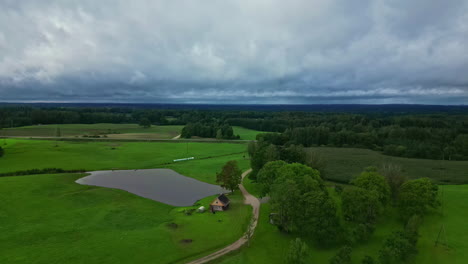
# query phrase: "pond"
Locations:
[[162, 185]]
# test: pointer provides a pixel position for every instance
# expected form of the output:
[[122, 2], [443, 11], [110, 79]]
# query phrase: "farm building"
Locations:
[[221, 203]]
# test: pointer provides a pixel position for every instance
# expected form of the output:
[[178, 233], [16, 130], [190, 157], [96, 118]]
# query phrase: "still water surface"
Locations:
[[162, 185]]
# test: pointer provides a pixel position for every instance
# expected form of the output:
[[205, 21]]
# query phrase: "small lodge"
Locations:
[[221, 203]]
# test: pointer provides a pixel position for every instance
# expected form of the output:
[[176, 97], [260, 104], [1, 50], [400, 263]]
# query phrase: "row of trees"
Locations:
[[209, 130], [441, 133]]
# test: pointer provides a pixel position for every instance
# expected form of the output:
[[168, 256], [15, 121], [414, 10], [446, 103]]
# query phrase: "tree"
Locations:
[[230, 176], [396, 248], [371, 180], [1, 151], [343, 256], [361, 209], [416, 197], [299, 198], [145, 123], [219, 134], [297, 252], [360, 205], [252, 148], [368, 260], [315, 160], [268, 175], [394, 176]]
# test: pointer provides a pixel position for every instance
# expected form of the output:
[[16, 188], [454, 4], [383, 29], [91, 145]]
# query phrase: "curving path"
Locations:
[[255, 203]]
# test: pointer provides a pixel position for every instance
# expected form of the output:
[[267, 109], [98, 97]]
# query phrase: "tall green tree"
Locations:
[[230, 176], [395, 178], [343, 256], [417, 197], [269, 173], [297, 252], [371, 180], [145, 123]]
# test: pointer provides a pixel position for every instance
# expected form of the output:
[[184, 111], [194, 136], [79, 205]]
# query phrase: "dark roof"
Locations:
[[223, 199]]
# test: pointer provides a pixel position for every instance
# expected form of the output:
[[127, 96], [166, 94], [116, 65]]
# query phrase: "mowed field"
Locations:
[[52, 219], [111, 130], [269, 245], [345, 163], [23, 154]]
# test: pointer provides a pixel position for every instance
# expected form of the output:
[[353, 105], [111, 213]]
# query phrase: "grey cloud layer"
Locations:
[[374, 51]]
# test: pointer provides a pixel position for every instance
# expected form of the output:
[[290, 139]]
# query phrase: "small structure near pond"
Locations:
[[221, 203]]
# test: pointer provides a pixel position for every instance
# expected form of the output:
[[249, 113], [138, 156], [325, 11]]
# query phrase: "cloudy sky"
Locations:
[[235, 51]]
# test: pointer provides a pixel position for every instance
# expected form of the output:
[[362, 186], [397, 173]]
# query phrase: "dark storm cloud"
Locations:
[[241, 51]]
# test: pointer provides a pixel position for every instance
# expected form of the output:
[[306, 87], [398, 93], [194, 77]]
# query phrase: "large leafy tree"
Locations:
[[360, 205], [230, 176], [268, 175], [371, 180], [302, 203], [416, 197]]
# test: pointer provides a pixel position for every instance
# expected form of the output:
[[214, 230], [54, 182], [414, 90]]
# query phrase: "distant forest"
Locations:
[[440, 132]]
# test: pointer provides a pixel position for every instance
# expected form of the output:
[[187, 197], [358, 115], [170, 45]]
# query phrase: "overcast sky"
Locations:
[[235, 51]]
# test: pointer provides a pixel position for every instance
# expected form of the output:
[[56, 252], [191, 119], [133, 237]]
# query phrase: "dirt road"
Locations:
[[255, 203]]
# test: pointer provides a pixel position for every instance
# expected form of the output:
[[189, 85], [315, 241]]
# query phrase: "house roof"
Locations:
[[221, 200]]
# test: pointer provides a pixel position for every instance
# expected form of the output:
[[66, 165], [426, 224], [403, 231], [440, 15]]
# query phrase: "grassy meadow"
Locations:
[[23, 154], [119, 131], [345, 163], [245, 133], [52, 219], [269, 245], [112, 131]]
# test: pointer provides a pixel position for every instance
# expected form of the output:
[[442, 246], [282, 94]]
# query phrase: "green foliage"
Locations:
[[360, 208], [368, 260], [317, 161], [208, 130], [297, 252], [230, 176], [396, 248], [302, 203], [343, 256], [416, 197], [394, 175], [268, 175], [360, 205], [264, 152], [2, 152], [145, 123], [372, 181]]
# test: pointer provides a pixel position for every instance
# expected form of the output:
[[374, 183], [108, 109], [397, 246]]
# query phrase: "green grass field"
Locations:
[[23, 154], [116, 131], [120, 131], [52, 219], [345, 163], [245, 133], [270, 245]]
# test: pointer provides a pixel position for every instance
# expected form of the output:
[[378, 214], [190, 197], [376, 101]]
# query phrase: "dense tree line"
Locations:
[[397, 131], [209, 130], [302, 204]]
